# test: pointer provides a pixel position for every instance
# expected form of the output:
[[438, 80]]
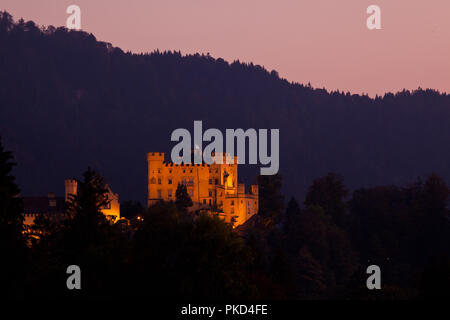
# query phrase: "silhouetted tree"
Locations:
[[311, 282], [13, 249], [435, 213], [85, 209], [329, 192], [271, 200], [183, 200], [292, 216], [435, 280], [130, 209], [178, 258], [91, 241]]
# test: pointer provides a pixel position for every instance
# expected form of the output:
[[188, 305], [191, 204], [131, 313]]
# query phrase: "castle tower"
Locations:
[[254, 189], [226, 171], [155, 162], [70, 186]]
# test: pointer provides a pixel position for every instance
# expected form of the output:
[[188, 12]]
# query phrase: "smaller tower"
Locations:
[[254, 189], [71, 186], [155, 162]]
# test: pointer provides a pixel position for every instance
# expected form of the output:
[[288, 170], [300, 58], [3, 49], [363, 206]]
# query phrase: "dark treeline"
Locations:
[[318, 250], [67, 100]]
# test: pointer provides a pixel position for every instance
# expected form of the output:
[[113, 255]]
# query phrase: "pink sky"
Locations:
[[325, 42]]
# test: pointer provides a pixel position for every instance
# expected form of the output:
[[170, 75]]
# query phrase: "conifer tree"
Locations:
[[271, 200], [13, 249], [183, 200], [87, 221]]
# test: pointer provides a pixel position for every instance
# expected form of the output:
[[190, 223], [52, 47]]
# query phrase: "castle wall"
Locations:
[[206, 185]]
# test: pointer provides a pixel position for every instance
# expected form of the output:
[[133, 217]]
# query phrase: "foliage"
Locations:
[[12, 243]]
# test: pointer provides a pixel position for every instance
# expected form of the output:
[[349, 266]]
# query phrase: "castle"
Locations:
[[54, 207], [211, 187], [207, 185]]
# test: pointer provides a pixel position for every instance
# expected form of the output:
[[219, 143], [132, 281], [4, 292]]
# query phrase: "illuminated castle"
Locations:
[[207, 185], [111, 210], [54, 207]]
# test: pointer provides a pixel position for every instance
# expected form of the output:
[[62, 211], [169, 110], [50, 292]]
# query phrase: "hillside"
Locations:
[[68, 101]]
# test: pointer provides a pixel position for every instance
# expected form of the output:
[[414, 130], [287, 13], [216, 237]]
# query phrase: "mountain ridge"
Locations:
[[69, 101]]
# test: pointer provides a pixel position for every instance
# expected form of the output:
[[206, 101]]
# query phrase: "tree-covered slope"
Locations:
[[68, 101]]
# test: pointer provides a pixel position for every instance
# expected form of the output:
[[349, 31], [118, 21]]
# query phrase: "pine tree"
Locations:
[[87, 222], [271, 200], [183, 200], [10, 202], [13, 249], [329, 193]]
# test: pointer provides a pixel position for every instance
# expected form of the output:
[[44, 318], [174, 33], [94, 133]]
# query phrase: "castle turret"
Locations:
[[254, 189], [71, 186], [155, 162]]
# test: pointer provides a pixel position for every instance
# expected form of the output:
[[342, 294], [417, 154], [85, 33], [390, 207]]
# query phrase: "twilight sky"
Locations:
[[325, 42]]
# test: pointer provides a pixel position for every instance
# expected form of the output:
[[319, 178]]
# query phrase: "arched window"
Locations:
[[153, 180]]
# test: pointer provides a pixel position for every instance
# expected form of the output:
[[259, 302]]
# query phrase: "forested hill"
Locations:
[[68, 101]]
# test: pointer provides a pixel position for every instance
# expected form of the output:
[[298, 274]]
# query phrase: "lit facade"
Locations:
[[207, 185], [54, 207], [111, 211]]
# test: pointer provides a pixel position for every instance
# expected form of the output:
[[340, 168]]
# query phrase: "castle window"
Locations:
[[232, 202], [169, 192], [153, 180], [191, 180], [209, 201], [210, 193], [204, 201], [183, 181], [216, 181], [159, 194], [210, 181], [191, 192], [217, 170], [170, 181], [159, 170], [232, 210], [191, 170], [159, 180], [184, 171], [170, 171]]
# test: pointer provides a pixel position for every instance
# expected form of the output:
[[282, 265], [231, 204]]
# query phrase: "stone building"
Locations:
[[111, 211], [55, 207], [207, 185], [51, 206]]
